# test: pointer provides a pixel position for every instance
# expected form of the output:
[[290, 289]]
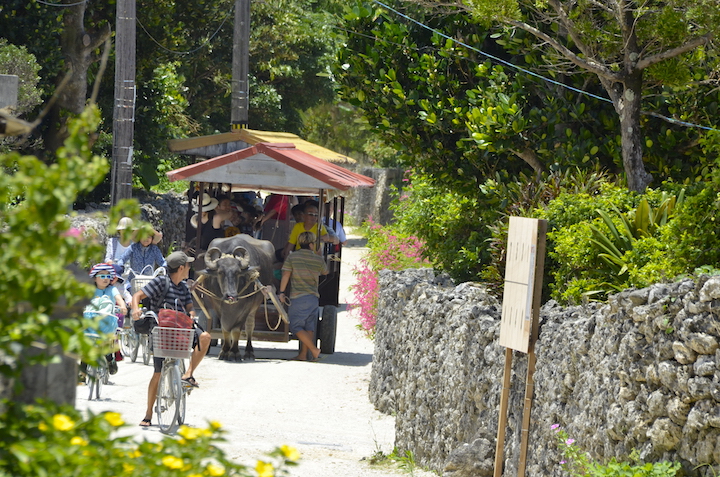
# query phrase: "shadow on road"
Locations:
[[276, 354], [356, 242]]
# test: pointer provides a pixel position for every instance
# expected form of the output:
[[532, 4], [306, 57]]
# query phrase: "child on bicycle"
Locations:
[[103, 275]]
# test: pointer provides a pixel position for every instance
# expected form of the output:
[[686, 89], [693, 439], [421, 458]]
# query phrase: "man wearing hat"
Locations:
[[165, 292]]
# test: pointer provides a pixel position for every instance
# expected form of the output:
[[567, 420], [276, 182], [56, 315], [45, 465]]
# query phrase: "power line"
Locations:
[[203, 45], [511, 65], [61, 4]]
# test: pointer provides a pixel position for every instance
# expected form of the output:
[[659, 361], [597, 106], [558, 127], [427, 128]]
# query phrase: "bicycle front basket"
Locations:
[[172, 342]]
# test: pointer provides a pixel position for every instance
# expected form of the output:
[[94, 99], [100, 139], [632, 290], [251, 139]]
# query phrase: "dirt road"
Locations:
[[321, 408]]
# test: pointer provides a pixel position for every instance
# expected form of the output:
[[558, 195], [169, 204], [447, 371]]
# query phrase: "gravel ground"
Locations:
[[321, 408]]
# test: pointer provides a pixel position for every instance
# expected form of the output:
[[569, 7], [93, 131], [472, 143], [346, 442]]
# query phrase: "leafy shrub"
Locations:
[[47, 439], [388, 249], [453, 227], [617, 240], [578, 463]]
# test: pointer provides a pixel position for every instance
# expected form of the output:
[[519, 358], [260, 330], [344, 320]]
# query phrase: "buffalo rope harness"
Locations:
[[253, 279]]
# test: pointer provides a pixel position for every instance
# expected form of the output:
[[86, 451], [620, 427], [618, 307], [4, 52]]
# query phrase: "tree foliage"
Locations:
[[184, 65], [632, 48]]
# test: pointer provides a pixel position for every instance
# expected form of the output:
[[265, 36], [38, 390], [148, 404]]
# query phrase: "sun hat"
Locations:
[[118, 269], [194, 221], [208, 203], [102, 267], [124, 223], [177, 259]]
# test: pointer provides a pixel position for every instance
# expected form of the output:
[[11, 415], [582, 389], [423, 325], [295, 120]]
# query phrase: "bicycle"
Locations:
[[136, 283], [129, 341], [175, 345], [98, 374]]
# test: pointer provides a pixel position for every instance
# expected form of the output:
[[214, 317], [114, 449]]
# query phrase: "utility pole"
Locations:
[[125, 94], [240, 66]]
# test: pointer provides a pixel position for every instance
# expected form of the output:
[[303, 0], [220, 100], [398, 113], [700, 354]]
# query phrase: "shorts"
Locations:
[[158, 362], [303, 313]]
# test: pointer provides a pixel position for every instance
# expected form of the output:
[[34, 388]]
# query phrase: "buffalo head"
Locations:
[[231, 271]]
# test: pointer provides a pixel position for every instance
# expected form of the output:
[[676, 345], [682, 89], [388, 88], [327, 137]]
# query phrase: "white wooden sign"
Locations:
[[522, 255]]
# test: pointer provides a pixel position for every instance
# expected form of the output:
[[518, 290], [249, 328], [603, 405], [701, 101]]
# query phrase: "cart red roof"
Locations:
[[276, 167]]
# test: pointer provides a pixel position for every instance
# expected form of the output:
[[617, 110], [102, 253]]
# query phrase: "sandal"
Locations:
[[145, 423], [191, 381]]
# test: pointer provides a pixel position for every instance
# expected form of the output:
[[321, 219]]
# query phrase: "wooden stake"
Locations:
[[502, 418]]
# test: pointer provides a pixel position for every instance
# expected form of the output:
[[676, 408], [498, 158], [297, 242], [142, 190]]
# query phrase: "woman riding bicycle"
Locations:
[[171, 292]]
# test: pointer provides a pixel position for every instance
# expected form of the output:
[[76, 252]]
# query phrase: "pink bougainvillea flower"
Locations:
[[73, 232]]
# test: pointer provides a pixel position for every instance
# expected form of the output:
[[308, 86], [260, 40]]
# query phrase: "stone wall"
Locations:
[[641, 372], [375, 202]]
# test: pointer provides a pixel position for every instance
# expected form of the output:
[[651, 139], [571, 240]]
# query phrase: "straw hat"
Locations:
[[125, 223], [208, 203]]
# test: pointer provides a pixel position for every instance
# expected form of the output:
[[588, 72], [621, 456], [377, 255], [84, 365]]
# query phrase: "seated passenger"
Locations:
[[309, 224]]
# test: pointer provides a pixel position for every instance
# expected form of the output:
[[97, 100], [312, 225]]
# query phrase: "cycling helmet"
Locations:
[[102, 267]]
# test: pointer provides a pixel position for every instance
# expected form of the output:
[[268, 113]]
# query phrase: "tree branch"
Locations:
[[587, 64], [688, 46]]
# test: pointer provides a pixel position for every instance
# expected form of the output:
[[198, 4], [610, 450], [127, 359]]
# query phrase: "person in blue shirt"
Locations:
[[140, 255]]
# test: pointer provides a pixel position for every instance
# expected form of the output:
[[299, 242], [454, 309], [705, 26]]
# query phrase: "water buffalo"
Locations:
[[233, 265]]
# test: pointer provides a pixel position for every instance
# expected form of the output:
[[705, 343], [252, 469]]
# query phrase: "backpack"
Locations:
[[101, 308]]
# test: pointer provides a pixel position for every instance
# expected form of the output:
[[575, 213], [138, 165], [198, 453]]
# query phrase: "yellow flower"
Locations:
[[128, 468], [290, 453], [215, 470], [78, 441], [61, 422], [135, 454], [43, 427], [264, 469], [195, 475], [114, 419], [190, 433], [172, 462], [214, 425]]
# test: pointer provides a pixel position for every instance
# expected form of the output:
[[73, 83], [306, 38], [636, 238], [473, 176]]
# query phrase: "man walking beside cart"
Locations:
[[302, 270], [171, 292]]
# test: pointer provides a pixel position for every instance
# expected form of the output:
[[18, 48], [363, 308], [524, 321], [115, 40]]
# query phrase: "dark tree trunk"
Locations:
[[79, 48], [628, 109]]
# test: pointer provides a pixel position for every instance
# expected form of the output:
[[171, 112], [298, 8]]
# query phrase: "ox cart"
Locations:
[[278, 168]]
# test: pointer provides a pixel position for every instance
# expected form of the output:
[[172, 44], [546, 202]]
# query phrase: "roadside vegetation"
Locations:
[[39, 293]]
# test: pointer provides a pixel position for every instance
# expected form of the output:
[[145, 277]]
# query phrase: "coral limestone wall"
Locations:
[[639, 373]]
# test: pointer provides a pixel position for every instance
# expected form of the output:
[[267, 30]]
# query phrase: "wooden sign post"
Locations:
[[524, 263]]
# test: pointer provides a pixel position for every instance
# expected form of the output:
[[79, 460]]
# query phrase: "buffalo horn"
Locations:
[[243, 256], [211, 258]]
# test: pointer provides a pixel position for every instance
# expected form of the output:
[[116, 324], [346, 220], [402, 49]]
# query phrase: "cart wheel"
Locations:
[[327, 329]]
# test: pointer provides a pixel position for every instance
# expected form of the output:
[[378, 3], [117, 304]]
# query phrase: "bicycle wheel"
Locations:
[[90, 378], [95, 378], [181, 404], [135, 344], [144, 341], [168, 398], [126, 343], [104, 374]]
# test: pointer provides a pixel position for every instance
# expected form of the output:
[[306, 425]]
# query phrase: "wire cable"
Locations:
[[511, 65], [61, 4], [189, 52]]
